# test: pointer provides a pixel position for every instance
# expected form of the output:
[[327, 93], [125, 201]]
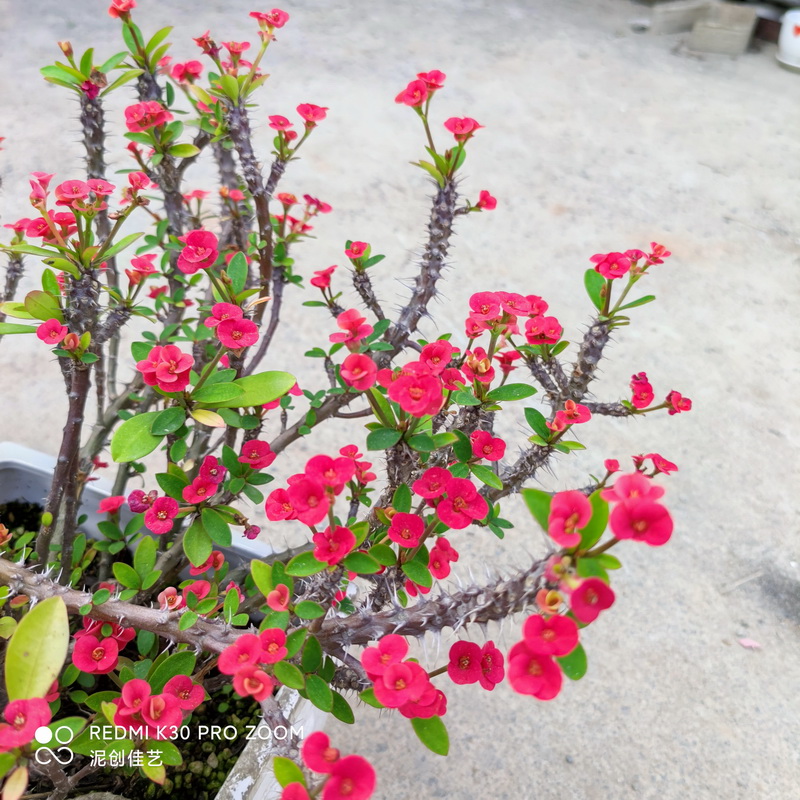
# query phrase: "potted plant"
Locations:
[[134, 658]]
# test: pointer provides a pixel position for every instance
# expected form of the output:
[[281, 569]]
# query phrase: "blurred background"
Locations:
[[601, 134]]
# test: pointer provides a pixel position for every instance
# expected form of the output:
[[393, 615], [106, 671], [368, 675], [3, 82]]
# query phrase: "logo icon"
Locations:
[[46, 755]]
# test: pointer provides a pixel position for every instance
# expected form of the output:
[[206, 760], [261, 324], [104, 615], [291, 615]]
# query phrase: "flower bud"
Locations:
[[71, 342], [66, 48]]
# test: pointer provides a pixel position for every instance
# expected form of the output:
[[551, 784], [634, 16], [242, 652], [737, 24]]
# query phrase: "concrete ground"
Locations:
[[596, 139]]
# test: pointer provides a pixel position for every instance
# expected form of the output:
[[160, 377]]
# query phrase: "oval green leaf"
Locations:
[[133, 440]]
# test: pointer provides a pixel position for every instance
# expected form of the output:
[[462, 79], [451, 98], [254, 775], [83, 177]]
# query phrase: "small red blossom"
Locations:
[[465, 663], [188, 694], [143, 116], [643, 520], [477, 366], [332, 546], [158, 518], [279, 123], [214, 561], [462, 128], [352, 778], [222, 311], [311, 114], [322, 278], [406, 529], [462, 504], [279, 506], [434, 79], [111, 505], [170, 600], [543, 330], [52, 331], [121, 8], [359, 371], [356, 250], [590, 598], [211, 470], [257, 454], [317, 753], [354, 328], [391, 649], [273, 645], [270, 19], [569, 511], [492, 669], [253, 682], [641, 391], [486, 202], [95, 656], [678, 402], [533, 673], [22, 719], [484, 445], [661, 464], [611, 465], [237, 333], [199, 252], [432, 483], [278, 598], [187, 72], [139, 502], [437, 355], [246, 651], [414, 94], [553, 636], [166, 367], [199, 490], [611, 265]]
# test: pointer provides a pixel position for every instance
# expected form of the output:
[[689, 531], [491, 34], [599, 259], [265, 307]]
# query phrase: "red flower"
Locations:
[[465, 663], [434, 79], [354, 328], [359, 371], [121, 8], [462, 504], [418, 394], [237, 333], [414, 94], [632, 487], [253, 682], [236, 48], [142, 116], [391, 649], [611, 465], [144, 264], [52, 331], [332, 546], [309, 500], [257, 454], [279, 506], [533, 673], [486, 201], [138, 501], [200, 251], [271, 19], [492, 670], [569, 511], [158, 518], [94, 656], [643, 520], [401, 683], [553, 636], [100, 187], [477, 366], [322, 278], [543, 330], [70, 191], [317, 753], [440, 557], [278, 598], [246, 651], [432, 483], [214, 561], [211, 470], [462, 128], [406, 529], [356, 250], [311, 114], [294, 791], [661, 464], [678, 402], [437, 355], [199, 490], [22, 718], [506, 360], [188, 694], [166, 367], [222, 311], [658, 254], [188, 72], [484, 445], [170, 600], [110, 505], [333, 473], [590, 598], [611, 265], [279, 123], [642, 391], [352, 778], [273, 645]]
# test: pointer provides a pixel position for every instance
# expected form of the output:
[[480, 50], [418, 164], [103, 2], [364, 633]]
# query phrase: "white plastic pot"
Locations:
[[789, 40]]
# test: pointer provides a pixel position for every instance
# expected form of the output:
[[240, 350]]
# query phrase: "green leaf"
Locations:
[[434, 173], [368, 696], [237, 272], [640, 302], [383, 554], [485, 475], [286, 772], [113, 62], [188, 618], [465, 397], [180, 663], [341, 709], [37, 650], [43, 306], [422, 443], [308, 609], [303, 565], [218, 393], [538, 423], [294, 641], [418, 573], [230, 86], [383, 439], [591, 534], [144, 559], [594, 283], [216, 527], [538, 503], [361, 563], [133, 440], [168, 421], [462, 449], [126, 77], [125, 241], [433, 734], [171, 485], [591, 568], [262, 576], [511, 391], [312, 655], [259, 389], [319, 693], [383, 404], [157, 38], [183, 150], [289, 675], [401, 501], [57, 74], [15, 327], [607, 561], [574, 664], [197, 544], [126, 575]]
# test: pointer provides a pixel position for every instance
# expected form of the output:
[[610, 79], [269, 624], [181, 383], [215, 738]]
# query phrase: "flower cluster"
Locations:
[[637, 515], [471, 663], [244, 658], [152, 716], [456, 500], [166, 367]]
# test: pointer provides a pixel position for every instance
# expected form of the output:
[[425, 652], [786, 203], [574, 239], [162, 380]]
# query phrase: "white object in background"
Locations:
[[789, 40]]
